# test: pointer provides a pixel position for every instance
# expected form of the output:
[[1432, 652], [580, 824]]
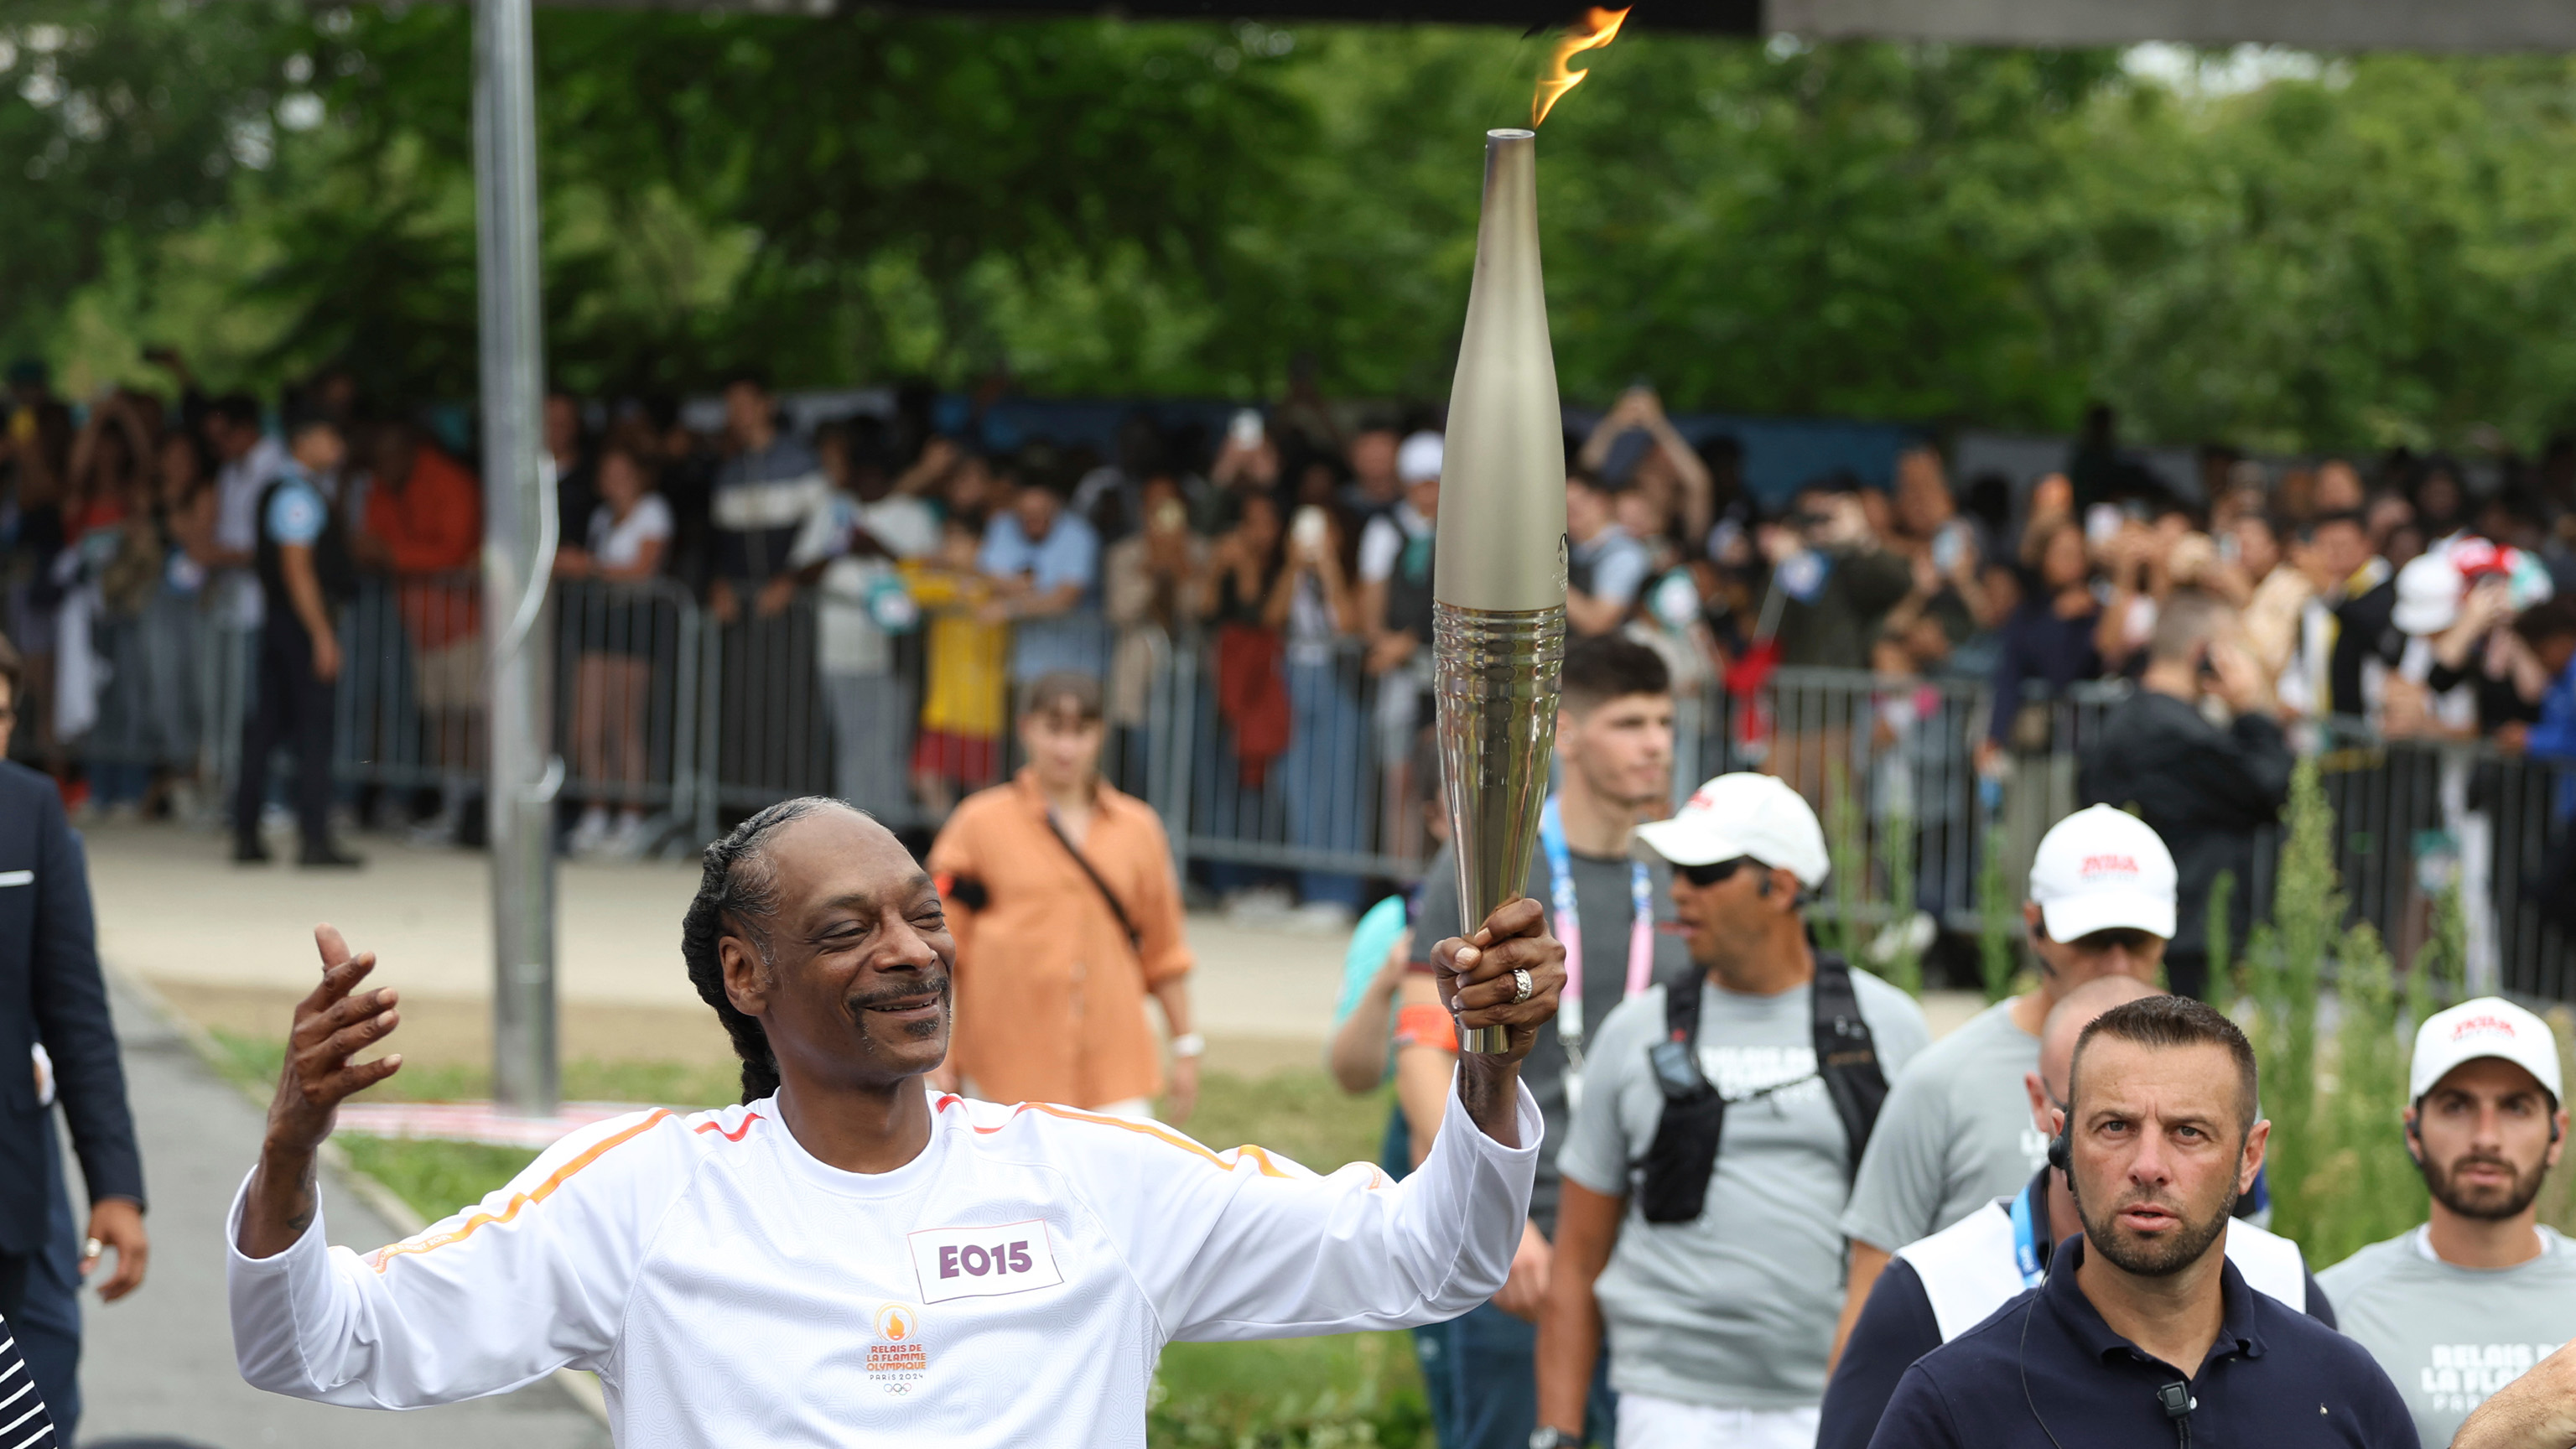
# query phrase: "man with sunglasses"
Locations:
[[1953, 1136], [1722, 1113]]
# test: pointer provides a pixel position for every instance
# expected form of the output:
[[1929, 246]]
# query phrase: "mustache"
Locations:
[[893, 992], [2481, 1159]]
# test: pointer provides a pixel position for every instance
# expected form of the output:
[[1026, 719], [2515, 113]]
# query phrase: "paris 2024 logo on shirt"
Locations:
[[898, 1359]]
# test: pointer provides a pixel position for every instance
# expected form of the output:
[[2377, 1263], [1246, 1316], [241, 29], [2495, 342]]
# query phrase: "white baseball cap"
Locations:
[[2428, 594], [1418, 460], [2101, 869], [1744, 814], [2489, 1026]]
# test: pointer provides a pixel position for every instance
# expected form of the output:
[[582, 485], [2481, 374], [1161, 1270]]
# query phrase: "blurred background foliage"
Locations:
[[2354, 252]]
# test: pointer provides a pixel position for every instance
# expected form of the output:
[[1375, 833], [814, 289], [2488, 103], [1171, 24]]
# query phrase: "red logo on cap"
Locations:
[[2470, 1026], [2110, 865]]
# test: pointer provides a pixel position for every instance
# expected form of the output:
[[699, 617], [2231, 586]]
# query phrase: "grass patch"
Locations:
[[1301, 1393]]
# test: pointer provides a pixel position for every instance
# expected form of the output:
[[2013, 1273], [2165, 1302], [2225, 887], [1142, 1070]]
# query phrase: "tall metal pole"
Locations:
[[519, 532]]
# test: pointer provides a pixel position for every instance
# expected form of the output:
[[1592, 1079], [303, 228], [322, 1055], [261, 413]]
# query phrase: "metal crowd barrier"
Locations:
[[1304, 769]]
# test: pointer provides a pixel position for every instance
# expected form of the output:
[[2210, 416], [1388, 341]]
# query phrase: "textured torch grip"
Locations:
[[1495, 677]]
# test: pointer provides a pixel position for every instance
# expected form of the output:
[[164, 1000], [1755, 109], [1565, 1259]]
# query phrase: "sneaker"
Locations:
[[629, 839], [329, 856], [590, 834]]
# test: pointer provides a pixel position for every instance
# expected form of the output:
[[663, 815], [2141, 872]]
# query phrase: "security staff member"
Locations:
[[304, 575], [2144, 1334], [1941, 1286]]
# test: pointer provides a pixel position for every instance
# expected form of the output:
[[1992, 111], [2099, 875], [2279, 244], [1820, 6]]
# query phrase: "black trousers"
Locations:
[[293, 709]]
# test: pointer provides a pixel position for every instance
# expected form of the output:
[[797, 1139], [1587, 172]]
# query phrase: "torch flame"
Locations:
[[1598, 28]]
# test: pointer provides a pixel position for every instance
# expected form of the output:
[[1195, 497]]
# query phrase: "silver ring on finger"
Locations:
[[1522, 987]]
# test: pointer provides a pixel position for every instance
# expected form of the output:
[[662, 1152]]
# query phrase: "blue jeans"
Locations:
[[1493, 1384], [1322, 776]]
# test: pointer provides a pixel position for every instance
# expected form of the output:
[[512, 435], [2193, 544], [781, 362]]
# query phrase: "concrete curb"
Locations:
[[582, 1388]]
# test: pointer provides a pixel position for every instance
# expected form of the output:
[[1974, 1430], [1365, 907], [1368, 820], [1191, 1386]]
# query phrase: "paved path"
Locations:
[[161, 1362]]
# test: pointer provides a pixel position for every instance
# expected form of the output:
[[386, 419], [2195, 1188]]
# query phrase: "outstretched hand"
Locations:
[[332, 1024]]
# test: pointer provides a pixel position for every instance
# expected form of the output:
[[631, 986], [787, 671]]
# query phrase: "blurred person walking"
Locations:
[[2145, 1333], [424, 526], [1723, 1113], [1953, 1133], [1951, 1281], [2459, 1307], [2204, 790], [1067, 916], [1614, 748], [305, 578], [623, 543], [54, 1024]]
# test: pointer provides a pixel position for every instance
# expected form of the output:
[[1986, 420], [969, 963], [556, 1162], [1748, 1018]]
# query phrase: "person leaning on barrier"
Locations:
[[1955, 1133], [1955, 1279], [2204, 789], [1614, 743], [1722, 1114], [2145, 1333], [2460, 1306]]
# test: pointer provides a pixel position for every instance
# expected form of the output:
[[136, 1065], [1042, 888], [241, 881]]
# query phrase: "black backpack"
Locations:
[[1673, 1186]]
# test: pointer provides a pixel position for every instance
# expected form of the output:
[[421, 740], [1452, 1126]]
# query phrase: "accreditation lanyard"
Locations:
[[2025, 1240], [1569, 928]]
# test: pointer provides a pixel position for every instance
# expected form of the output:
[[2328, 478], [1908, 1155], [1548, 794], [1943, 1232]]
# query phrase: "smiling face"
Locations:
[[849, 975], [2160, 1151], [2483, 1139]]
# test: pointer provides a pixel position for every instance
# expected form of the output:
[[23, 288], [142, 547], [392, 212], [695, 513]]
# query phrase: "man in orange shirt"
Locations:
[[424, 525], [1060, 892]]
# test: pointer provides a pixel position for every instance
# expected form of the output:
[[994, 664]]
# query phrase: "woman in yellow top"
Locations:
[[1060, 893], [965, 700]]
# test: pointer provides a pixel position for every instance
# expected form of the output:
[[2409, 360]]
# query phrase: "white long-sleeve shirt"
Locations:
[[1012, 1285]]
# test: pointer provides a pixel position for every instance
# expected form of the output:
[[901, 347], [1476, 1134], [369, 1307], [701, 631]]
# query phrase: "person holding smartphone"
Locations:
[[2204, 789]]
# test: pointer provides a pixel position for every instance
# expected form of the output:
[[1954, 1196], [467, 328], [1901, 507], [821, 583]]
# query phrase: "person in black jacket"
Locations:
[[2205, 789], [304, 577], [54, 1025]]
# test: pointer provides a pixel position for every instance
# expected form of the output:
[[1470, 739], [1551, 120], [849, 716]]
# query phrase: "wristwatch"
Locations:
[[1548, 1436], [1189, 1044]]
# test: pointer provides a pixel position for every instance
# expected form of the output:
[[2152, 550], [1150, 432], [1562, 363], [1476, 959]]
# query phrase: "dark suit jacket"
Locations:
[[2204, 789], [51, 991]]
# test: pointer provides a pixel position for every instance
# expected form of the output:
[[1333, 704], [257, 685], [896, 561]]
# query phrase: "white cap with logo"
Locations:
[[2102, 869], [1418, 460], [1744, 814], [2489, 1026]]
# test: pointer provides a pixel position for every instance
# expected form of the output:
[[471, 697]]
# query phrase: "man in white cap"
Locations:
[[1955, 1134], [1722, 1115], [2459, 1307]]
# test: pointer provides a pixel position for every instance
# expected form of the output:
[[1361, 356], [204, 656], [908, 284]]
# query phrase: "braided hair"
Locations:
[[738, 890]]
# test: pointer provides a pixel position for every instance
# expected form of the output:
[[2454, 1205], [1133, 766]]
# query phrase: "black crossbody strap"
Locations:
[[1135, 942], [1847, 1056], [1677, 1167]]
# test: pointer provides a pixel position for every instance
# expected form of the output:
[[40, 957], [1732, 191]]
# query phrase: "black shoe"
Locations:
[[329, 857], [251, 852]]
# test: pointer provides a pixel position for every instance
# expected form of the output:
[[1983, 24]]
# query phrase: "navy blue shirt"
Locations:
[[2274, 1379]]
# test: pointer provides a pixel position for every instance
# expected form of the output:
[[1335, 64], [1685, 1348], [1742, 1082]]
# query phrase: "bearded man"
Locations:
[[2461, 1306], [846, 1257], [2145, 1335]]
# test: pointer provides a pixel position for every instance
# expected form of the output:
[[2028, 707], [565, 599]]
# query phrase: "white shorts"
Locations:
[[1647, 1422]]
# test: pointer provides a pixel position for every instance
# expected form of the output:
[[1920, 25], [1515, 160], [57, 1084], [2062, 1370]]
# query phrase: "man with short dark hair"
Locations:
[[2459, 1307], [767, 490], [305, 577], [845, 1257], [2145, 1335], [1605, 569], [1614, 746], [1723, 1113], [2204, 789], [1948, 1283]]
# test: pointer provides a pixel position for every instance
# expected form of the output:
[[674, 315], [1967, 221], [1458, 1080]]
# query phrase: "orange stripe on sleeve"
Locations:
[[1260, 1156], [381, 1256]]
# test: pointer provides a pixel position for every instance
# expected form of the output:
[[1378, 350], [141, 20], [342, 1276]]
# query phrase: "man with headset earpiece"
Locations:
[[1938, 1287], [2145, 1335], [2482, 1291]]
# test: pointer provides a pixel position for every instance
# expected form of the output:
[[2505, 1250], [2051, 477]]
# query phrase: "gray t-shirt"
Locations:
[[1737, 1309], [2450, 1336], [1605, 907], [1955, 1135]]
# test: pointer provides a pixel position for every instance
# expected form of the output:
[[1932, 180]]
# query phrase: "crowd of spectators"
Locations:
[[907, 576]]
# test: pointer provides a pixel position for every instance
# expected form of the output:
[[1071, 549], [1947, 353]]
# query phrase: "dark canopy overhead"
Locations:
[[2433, 25]]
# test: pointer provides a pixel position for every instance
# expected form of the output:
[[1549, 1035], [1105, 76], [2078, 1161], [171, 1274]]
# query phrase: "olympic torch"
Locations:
[[1498, 572]]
